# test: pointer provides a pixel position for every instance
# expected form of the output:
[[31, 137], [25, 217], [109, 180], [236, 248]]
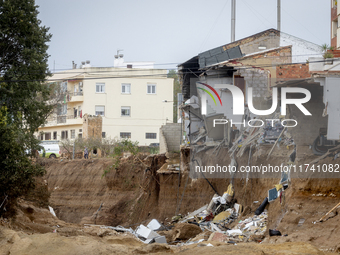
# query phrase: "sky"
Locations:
[[167, 32]]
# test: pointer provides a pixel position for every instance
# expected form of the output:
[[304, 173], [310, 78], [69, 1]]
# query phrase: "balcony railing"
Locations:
[[74, 97], [79, 93], [61, 119], [64, 118]]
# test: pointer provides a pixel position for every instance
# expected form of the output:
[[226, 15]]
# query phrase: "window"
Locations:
[[150, 135], [80, 135], [55, 135], [62, 109], [126, 111], [41, 136], [48, 136], [100, 110], [64, 134], [126, 88], [64, 86], [73, 134], [100, 87], [80, 130], [151, 89], [103, 134], [125, 135]]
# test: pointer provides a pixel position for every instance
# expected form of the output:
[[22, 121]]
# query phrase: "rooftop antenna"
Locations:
[[233, 14], [119, 55], [279, 15]]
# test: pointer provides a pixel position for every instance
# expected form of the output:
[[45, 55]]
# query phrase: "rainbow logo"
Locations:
[[209, 93]]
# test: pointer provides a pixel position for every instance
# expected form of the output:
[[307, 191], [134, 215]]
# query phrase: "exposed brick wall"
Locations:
[[293, 71], [170, 135], [336, 53]]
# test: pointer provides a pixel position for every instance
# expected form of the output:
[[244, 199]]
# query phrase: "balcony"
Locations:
[[69, 120], [334, 13], [75, 97]]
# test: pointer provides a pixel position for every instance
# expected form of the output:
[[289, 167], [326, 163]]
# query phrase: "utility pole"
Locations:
[[279, 15], [233, 14]]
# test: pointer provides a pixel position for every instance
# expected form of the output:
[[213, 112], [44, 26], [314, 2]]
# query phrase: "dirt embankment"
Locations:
[[135, 193]]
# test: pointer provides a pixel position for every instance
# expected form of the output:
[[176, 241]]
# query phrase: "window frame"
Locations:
[[47, 135], [151, 85], [100, 85], [122, 136], [95, 110], [126, 108], [124, 85], [150, 134]]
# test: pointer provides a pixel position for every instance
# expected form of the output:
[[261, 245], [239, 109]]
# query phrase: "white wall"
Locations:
[[331, 99]]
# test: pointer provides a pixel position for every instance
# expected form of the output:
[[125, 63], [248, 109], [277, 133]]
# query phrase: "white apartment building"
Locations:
[[130, 101]]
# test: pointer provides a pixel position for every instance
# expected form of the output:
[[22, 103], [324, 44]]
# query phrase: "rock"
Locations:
[[185, 231]]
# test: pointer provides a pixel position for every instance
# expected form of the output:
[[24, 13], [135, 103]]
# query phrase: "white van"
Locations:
[[52, 150]]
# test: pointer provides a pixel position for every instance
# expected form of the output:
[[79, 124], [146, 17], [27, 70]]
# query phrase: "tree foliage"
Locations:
[[23, 96]]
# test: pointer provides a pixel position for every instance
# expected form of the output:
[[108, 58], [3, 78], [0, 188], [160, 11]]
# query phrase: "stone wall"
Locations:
[[92, 126], [170, 135]]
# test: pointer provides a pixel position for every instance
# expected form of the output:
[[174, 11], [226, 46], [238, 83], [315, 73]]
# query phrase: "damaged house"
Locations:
[[259, 66]]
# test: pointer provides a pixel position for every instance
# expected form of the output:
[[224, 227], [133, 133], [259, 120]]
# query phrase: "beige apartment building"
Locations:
[[130, 101]]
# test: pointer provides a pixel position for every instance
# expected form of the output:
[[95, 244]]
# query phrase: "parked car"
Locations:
[[52, 150]]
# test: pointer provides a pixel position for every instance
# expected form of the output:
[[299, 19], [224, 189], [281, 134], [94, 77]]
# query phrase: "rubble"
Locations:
[[185, 231]]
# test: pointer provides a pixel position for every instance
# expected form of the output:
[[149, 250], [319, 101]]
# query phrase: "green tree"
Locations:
[[177, 89], [23, 96]]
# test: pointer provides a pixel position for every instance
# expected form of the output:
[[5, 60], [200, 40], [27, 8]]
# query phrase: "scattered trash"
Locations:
[[146, 232], [272, 195], [329, 212], [52, 211], [301, 221], [260, 209], [274, 232], [154, 225]]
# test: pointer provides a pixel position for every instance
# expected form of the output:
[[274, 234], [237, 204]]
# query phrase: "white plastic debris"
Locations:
[[219, 199], [234, 232], [51, 211], [160, 239], [146, 232], [154, 225]]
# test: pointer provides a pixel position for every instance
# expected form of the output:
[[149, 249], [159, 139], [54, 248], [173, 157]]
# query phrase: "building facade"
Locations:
[[129, 100]]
